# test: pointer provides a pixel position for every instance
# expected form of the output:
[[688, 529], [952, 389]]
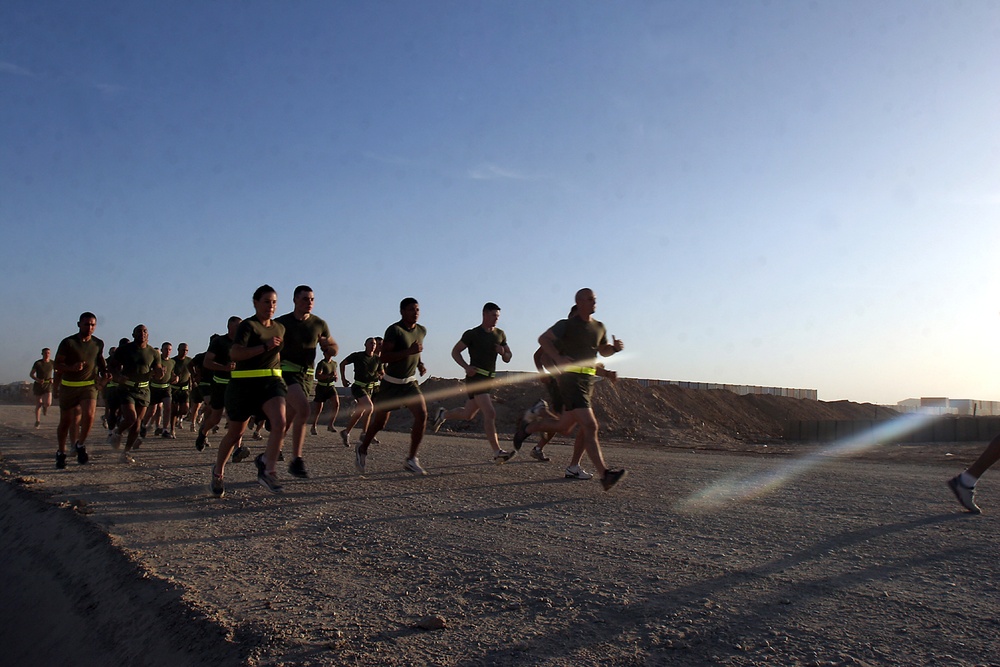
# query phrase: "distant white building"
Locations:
[[938, 405]]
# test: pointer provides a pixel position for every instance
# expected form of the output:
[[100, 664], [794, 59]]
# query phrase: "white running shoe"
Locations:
[[413, 465], [438, 419], [576, 472], [536, 411]]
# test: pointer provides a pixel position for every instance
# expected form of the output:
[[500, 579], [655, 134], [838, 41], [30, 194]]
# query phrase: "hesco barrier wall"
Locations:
[[943, 429], [741, 389]]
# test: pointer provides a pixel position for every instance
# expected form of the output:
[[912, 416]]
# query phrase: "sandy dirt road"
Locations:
[[847, 563]]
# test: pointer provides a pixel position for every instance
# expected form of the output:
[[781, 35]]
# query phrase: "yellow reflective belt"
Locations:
[[137, 385], [326, 384], [74, 383], [295, 368], [257, 373], [489, 374], [366, 385], [582, 370], [156, 385], [221, 380]]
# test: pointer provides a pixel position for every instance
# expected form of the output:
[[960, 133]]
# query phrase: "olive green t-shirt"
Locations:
[[482, 346], [579, 340], [137, 363], [43, 370], [253, 333], [301, 338], [326, 368], [72, 350], [366, 369], [182, 367], [401, 339], [220, 346]]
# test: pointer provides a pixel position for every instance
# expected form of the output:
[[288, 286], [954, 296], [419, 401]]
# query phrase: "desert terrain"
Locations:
[[866, 560]]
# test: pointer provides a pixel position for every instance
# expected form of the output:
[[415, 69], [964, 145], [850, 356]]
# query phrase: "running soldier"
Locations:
[[180, 390], [201, 388], [574, 344], [80, 362], [160, 395], [326, 391], [218, 361], [303, 331], [485, 343], [256, 386], [368, 371], [401, 348], [41, 373], [136, 364]]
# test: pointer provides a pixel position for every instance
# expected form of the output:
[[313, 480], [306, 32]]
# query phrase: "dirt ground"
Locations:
[[735, 550]]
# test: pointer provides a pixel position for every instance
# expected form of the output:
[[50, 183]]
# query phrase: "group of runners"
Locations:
[[263, 370]]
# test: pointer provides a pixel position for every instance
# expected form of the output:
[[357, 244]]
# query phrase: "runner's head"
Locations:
[[303, 299], [265, 302], [182, 350], [87, 324], [232, 324], [409, 309], [140, 334], [46, 352], [586, 302], [491, 315], [370, 345], [165, 349]]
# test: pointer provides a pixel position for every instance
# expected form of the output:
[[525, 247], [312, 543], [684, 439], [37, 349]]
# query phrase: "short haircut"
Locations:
[[408, 301], [45, 349], [87, 315], [262, 290], [167, 344], [490, 306], [234, 318], [370, 338], [300, 289]]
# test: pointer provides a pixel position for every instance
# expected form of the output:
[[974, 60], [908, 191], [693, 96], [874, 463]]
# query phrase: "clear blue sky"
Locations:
[[776, 193]]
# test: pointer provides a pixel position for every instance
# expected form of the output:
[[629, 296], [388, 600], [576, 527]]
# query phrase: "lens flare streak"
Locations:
[[739, 488]]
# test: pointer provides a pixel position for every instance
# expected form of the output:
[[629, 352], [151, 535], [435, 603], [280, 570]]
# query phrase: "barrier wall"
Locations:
[[942, 429]]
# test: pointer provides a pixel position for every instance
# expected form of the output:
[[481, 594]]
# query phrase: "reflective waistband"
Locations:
[[485, 373], [219, 380], [295, 368], [74, 383], [326, 384], [394, 380], [136, 385], [257, 373], [366, 385], [582, 370], [157, 385]]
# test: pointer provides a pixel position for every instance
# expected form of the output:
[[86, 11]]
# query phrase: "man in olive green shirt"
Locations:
[[401, 348], [80, 362], [485, 343], [160, 400], [574, 344], [303, 333], [326, 391], [136, 364], [41, 373]]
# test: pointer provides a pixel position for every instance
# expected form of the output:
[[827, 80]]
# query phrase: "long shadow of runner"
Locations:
[[606, 623]]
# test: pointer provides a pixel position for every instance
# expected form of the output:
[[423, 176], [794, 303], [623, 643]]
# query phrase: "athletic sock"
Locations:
[[967, 480]]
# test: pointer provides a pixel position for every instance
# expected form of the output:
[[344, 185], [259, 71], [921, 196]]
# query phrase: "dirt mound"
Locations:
[[659, 414]]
